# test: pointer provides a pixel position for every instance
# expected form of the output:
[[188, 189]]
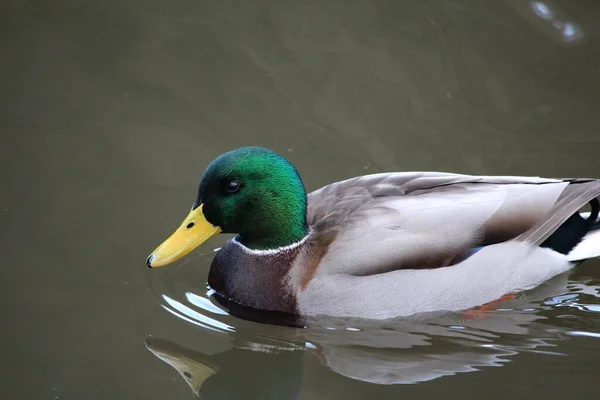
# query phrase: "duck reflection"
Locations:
[[390, 352], [246, 371]]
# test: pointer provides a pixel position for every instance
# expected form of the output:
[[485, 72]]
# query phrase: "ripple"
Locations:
[[587, 334], [401, 351], [195, 317], [204, 304]]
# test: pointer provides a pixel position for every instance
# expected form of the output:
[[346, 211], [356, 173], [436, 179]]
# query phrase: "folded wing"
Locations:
[[384, 222]]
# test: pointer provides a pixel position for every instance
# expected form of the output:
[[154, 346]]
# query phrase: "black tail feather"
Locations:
[[595, 225], [570, 233]]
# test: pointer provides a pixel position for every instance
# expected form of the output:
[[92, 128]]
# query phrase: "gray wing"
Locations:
[[392, 221]]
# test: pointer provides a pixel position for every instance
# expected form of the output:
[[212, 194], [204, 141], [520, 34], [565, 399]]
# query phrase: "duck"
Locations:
[[382, 245]]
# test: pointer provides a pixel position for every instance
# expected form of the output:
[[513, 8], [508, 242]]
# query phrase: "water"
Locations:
[[110, 111], [544, 322]]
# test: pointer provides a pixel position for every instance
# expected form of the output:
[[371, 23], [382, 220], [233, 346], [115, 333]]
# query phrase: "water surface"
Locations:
[[110, 111]]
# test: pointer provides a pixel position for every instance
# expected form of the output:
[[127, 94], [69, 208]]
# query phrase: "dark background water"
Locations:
[[110, 111]]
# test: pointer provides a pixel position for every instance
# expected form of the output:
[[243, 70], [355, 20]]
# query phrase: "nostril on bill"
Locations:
[[190, 225]]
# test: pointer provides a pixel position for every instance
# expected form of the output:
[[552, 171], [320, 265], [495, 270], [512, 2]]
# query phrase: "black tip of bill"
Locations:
[[149, 261]]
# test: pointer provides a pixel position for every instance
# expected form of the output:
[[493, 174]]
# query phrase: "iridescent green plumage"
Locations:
[[269, 209]]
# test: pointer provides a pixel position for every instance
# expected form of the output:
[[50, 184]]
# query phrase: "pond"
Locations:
[[110, 112]]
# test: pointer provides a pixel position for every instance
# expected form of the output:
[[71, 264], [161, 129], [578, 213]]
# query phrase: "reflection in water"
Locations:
[[195, 317], [222, 376], [551, 20], [194, 368], [382, 352]]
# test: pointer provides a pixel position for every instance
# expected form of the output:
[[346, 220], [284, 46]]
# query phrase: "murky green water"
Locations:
[[110, 111]]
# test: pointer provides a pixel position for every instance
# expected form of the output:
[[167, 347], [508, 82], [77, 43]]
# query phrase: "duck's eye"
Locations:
[[232, 186]]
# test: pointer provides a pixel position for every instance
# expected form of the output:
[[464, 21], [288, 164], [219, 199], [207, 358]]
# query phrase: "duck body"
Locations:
[[397, 244]]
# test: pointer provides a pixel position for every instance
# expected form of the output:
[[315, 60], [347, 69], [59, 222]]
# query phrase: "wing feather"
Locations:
[[417, 220]]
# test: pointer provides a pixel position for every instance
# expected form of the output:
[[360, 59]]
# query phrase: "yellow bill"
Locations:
[[194, 231]]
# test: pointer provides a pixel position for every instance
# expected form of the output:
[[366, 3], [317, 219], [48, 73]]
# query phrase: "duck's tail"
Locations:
[[589, 247], [566, 231]]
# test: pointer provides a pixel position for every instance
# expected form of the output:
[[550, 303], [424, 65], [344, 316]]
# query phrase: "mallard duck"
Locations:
[[383, 245]]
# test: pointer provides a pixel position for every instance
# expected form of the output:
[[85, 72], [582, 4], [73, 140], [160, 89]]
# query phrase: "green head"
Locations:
[[251, 191], [256, 193]]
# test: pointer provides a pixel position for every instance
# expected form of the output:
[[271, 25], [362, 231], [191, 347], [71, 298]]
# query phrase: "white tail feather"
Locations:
[[589, 247]]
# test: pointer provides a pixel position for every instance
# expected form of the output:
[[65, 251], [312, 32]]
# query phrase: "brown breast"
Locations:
[[259, 280]]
